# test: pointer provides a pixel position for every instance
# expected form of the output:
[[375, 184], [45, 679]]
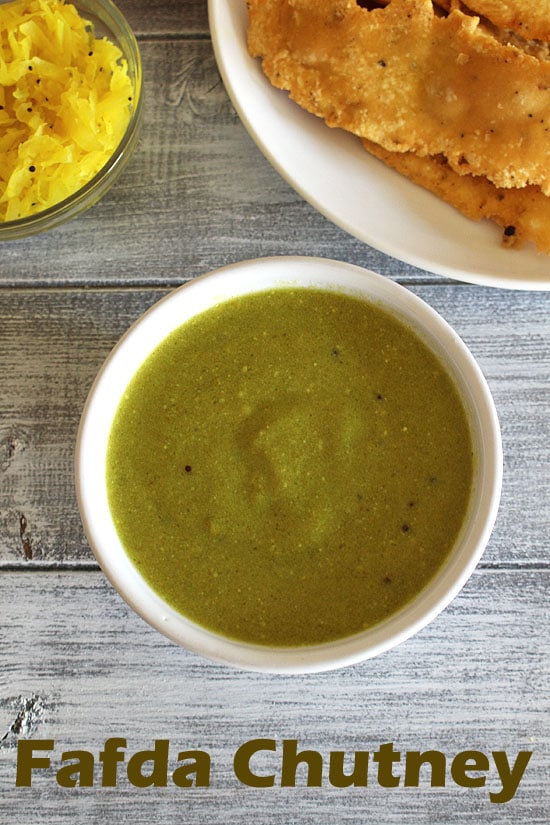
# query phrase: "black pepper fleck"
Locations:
[[188, 468], [509, 231]]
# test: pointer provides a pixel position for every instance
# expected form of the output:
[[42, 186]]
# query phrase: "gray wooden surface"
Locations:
[[78, 666]]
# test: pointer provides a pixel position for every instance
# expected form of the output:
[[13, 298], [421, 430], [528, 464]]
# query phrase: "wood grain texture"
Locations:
[[166, 18], [196, 195], [77, 665], [53, 341], [92, 669]]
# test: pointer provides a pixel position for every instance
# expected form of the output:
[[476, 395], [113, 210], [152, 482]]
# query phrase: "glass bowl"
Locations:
[[108, 22]]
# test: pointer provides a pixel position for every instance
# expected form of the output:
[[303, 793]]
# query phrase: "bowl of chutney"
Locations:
[[289, 465]]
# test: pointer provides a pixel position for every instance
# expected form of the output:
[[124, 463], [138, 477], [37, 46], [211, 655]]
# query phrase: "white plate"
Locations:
[[330, 169]]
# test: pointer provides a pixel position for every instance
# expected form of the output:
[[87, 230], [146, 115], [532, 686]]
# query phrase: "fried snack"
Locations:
[[529, 18], [414, 81], [523, 214], [518, 36], [538, 48]]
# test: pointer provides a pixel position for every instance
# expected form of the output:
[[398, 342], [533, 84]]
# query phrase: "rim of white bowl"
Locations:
[[200, 294]]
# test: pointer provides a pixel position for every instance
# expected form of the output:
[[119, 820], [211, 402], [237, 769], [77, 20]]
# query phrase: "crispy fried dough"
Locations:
[[538, 48], [412, 81], [530, 18], [523, 214]]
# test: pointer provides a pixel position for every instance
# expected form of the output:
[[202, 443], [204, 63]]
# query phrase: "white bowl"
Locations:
[[201, 294]]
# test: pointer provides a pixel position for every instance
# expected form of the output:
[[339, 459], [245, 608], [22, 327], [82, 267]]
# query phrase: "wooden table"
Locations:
[[79, 667]]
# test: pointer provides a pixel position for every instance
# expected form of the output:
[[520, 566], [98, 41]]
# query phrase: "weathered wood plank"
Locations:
[[80, 667], [157, 18], [196, 195], [77, 665], [52, 342]]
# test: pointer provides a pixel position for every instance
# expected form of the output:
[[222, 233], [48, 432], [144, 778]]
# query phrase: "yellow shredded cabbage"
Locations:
[[65, 103]]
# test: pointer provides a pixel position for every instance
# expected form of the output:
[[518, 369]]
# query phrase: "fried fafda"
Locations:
[[529, 18], [523, 214], [412, 80]]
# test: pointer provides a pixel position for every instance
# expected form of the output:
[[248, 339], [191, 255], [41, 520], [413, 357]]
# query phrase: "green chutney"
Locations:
[[290, 467]]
